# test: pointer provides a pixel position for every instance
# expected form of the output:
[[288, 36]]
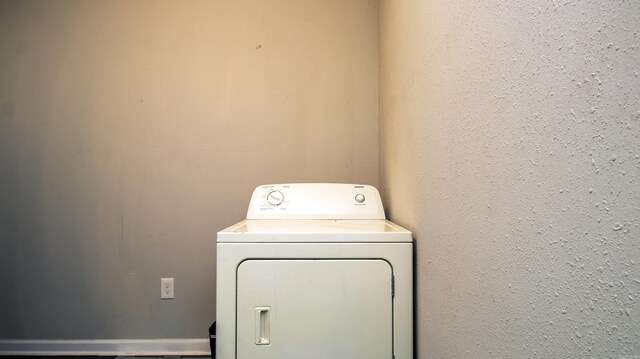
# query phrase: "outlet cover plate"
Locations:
[[166, 288]]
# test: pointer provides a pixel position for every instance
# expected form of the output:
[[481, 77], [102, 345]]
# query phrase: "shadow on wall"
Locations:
[[22, 244]]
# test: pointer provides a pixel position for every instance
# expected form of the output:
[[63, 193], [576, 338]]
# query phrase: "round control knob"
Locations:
[[275, 198], [360, 198]]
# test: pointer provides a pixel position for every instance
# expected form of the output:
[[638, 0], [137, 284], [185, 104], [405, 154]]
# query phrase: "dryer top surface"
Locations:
[[314, 231]]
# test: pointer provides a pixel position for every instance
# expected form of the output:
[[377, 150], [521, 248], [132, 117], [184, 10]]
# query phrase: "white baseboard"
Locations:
[[106, 347]]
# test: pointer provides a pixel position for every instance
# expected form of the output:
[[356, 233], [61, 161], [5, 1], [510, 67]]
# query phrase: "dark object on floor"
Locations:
[[212, 339]]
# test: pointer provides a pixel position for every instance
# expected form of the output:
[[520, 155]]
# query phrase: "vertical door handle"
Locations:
[[263, 335]]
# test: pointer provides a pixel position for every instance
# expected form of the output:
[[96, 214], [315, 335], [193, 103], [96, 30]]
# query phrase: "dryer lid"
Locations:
[[315, 201], [314, 231]]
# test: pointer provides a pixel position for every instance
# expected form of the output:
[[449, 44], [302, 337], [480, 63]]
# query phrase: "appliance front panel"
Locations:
[[231, 255], [314, 309]]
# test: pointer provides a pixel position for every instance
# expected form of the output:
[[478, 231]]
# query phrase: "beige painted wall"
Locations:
[[132, 131], [510, 145]]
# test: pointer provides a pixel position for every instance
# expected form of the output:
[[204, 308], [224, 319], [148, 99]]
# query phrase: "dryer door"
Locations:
[[314, 309]]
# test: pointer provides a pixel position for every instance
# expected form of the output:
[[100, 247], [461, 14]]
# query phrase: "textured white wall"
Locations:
[[510, 145], [132, 131]]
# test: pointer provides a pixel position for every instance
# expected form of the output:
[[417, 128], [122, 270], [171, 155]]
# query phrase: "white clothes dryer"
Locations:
[[314, 272]]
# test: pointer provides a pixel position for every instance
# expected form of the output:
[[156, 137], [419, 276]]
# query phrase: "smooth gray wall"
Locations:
[[510, 145], [132, 131]]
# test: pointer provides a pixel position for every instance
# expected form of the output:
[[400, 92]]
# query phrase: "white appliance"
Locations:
[[314, 272]]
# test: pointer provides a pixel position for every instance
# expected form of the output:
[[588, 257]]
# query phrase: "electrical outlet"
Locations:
[[166, 288]]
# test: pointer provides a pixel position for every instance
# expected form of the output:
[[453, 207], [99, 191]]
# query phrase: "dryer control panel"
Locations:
[[315, 201]]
